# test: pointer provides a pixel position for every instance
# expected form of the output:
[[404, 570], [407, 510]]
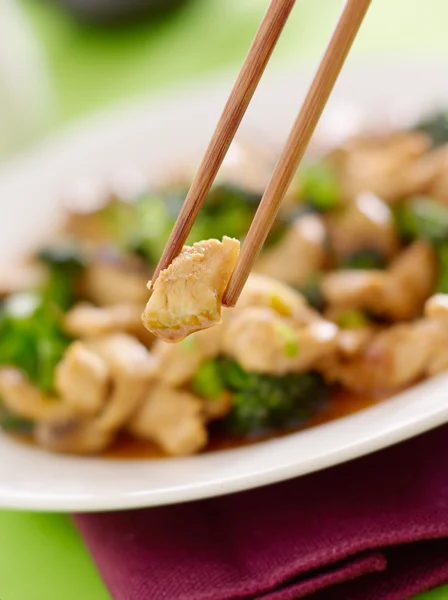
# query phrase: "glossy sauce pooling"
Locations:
[[342, 403]]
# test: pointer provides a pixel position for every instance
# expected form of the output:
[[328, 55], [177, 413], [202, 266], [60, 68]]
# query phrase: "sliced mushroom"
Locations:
[[73, 436]]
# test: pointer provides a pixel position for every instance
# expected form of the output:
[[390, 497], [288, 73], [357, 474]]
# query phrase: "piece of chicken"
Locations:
[[172, 418], [299, 254], [24, 399], [261, 290], [365, 224], [398, 293], [397, 356], [262, 341], [82, 379], [112, 279], [186, 297], [177, 363], [101, 382], [85, 321], [391, 166]]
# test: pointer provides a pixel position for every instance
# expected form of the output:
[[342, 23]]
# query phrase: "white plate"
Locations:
[[152, 136]]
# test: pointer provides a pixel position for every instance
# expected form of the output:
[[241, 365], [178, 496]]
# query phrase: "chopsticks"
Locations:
[[321, 87], [245, 85], [303, 128]]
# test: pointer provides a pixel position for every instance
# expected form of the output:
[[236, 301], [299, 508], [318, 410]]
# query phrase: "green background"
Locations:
[[42, 556]]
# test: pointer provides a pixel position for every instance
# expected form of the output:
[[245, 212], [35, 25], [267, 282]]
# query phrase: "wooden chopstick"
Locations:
[[253, 67], [303, 128]]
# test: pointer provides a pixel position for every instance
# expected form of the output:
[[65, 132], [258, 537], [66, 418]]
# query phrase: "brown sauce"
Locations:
[[342, 403]]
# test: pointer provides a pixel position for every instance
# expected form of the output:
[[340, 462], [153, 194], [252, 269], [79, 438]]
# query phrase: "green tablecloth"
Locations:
[[42, 556]]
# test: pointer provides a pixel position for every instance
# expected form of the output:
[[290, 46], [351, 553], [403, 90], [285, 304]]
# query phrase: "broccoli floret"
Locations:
[[31, 337], [261, 402], [436, 127], [312, 291], [442, 255], [320, 186], [422, 218], [352, 319], [14, 423], [364, 259], [208, 381], [144, 226]]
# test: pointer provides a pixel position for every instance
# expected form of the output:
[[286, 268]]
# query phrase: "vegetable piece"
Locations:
[[265, 402], [436, 127], [144, 226], [442, 255], [422, 218], [364, 259], [31, 337], [352, 319], [320, 186], [312, 291], [14, 423], [208, 381]]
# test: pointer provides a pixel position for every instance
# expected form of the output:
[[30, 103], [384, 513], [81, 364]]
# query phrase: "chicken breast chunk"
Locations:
[[173, 419], [262, 341], [299, 254], [398, 293], [187, 295]]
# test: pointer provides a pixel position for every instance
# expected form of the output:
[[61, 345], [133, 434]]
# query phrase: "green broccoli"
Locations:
[[436, 127], [320, 186], [12, 422], [364, 259], [422, 218], [261, 402], [143, 227], [31, 337], [312, 291]]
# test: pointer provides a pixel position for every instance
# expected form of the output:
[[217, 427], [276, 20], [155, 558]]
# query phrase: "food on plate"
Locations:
[[187, 296], [349, 299]]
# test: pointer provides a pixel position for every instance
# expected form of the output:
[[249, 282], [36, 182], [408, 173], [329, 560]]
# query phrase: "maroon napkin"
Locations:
[[372, 529]]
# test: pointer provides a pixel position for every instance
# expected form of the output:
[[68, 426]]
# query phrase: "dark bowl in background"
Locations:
[[117, 11]]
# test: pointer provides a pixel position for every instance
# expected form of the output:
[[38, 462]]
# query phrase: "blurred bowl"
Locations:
[[114, 11]]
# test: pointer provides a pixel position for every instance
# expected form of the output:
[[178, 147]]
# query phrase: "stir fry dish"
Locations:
[[350, 295]]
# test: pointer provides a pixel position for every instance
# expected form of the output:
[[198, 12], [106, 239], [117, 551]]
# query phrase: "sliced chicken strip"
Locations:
[[262, 341], [172, 418], [177, 363], [115, 280], [24, 399], [82, 379], [365, 224], [298, 255], [264, 291], [187, 295], [131, 369], [87, 321], [398, 293]]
